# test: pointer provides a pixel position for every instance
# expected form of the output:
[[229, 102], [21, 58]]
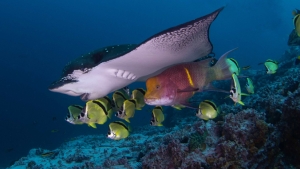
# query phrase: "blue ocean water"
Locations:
[[37, 38]]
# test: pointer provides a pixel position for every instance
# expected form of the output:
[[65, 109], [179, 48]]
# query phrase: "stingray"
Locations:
[[108, 69]]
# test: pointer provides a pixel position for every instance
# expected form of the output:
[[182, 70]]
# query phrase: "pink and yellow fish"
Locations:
[[177, 84]]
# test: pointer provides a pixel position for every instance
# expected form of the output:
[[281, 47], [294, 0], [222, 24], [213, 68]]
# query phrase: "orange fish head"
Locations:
[[160, 92]]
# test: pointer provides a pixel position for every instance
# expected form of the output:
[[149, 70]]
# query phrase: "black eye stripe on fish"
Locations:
[[121, 124], [142, 91], [120, 94], [101, 105], [210, 103]]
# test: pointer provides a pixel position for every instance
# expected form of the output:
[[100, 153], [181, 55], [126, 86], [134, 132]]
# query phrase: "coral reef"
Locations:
[[262, 134]]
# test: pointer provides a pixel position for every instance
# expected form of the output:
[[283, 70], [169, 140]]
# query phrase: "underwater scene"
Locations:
[[150, 84]]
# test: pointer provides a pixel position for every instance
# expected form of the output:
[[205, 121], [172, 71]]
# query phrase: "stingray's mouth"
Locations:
[[84, 96]]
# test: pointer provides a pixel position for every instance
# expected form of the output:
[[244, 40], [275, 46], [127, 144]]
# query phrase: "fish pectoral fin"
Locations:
[[241, 103], [188, 105], [177, 107], [127, 120], [188, 89], [92, 125], [159, 124], [244, 94], [210, 87]]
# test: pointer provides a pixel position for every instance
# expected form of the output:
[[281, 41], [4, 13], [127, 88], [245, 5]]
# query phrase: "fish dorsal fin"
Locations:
[[212, 104], [122, 124], [133, 101], [141, 90], [120, 94]]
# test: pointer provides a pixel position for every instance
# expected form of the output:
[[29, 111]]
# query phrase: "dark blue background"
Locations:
[[37, 38]]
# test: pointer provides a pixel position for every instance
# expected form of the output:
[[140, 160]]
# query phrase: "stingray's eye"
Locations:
[[157, 86]]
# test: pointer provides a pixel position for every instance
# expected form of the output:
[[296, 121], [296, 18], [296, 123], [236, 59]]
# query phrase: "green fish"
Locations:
[[74, 112], [157, 116], [127, 111], [235, 92], [207, 110], [271, 66], [296, 21], [250, 86], [119, 97], [138, 95], [94, 113], [234, 66], [118, 130]]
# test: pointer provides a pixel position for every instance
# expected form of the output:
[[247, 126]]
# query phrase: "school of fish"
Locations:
[[174, 86]]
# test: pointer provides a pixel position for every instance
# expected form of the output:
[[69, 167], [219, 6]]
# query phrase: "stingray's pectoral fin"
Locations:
[[125, 74]]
